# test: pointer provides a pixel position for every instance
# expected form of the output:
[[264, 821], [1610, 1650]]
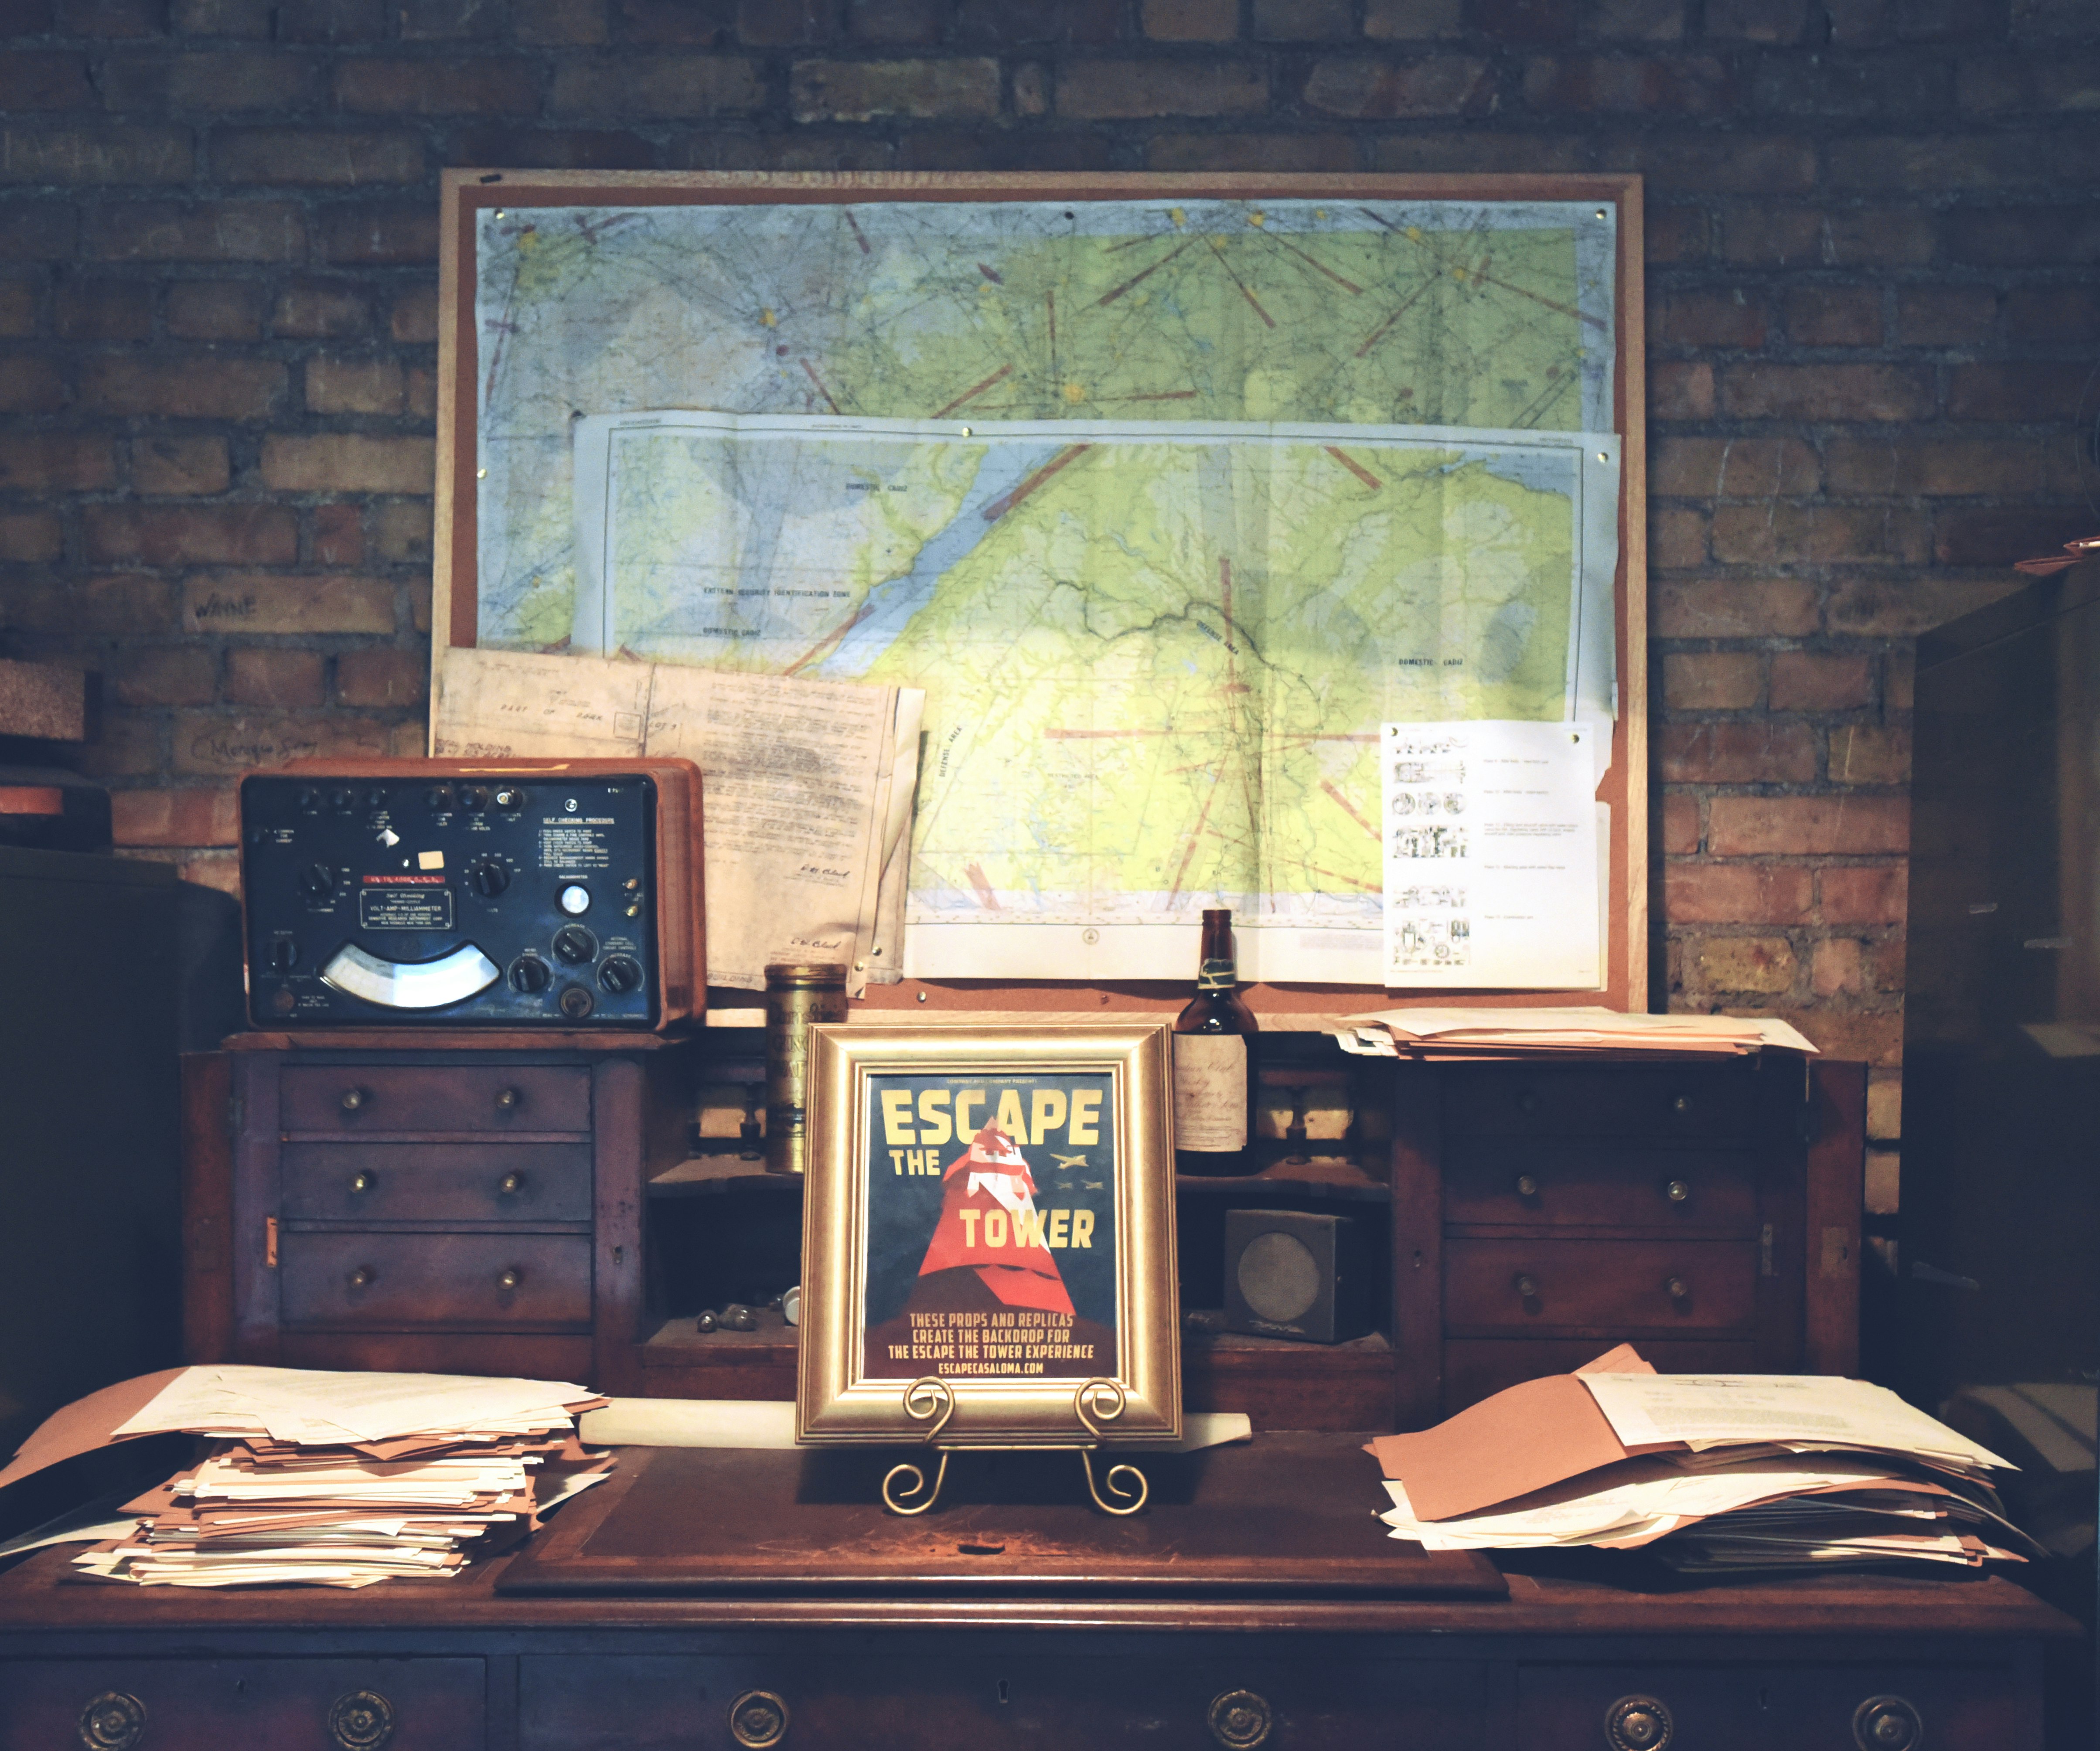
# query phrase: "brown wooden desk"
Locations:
[[1441, 1653]]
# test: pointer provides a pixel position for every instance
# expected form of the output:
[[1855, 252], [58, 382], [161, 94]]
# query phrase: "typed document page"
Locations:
[[1492, 841]]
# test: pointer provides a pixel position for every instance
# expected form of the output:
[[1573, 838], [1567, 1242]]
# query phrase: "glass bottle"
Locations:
[[1214, 1063]]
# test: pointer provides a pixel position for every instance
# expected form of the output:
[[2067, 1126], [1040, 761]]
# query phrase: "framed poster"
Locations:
[[991, 1208], [1167, 491]]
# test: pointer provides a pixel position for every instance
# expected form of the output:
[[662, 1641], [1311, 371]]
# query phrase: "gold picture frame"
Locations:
[[926, 1257]]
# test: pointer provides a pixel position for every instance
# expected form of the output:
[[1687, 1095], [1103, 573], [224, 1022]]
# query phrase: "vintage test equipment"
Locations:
[[542, 893], [1291, 1274]]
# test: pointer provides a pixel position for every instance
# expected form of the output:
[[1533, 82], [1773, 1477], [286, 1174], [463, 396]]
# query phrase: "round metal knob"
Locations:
[[1677, 1289], [1887, 1723], [1678, 1190], [353, 1100], [362, 1182], [1525, 1285], [511, 1184], [1240, 1720], [1638, 1723], [360, 1720], [510, 1279], [1526, 1186], [758, 1719], [112, 1721], [507, 1100], [1680, 1103], [362, 1277]]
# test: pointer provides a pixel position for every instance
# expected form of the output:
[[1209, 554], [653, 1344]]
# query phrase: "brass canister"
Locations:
[[797, 993]]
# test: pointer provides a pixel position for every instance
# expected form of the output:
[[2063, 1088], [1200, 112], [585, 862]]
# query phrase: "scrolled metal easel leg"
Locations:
[[898, 1501], [1117, 1479]]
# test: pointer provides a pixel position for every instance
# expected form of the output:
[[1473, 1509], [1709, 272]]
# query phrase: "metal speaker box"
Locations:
[[513, 893], [1291, 1275]]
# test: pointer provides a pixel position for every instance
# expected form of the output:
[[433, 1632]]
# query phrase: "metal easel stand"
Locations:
[[932, 1400]]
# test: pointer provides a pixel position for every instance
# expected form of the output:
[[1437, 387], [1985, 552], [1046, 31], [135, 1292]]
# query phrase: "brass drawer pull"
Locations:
[[1526, 1186], [112, 1721], [511, 1184], [508, 1100], [1680, 1104], [360, 1720], [510, 1278], [355, 1100], [1678, 1190], [1677, 1289], [363, 1278], [1525, 1285], [1638, 1723], [362, 1182], [1887, 1723], [758, 1719], [1240, 1720]]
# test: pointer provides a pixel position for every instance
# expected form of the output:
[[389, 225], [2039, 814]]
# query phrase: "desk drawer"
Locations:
[[437, 1182], [346, 1280], [351, 1098], [1663, 1103], [1708, 1191], [193, 1704], [1492, 1285]]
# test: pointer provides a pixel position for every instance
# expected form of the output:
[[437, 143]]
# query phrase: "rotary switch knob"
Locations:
[[621, 974], [530, 975], [316, 880], [575, 947], [489, 877]]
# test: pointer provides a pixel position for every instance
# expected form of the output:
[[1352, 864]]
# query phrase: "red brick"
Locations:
[[212, 869], [382, 676], [33, 537], [1191, 20], [1768, 236], [175, 817], [163, 464], [1903, 607], [1251, 152], [1936, 161], [54, 462], [1680, 391], [129, 746], [1758, 20], [380, 235], [196, 389], [1105, 90], [354, 385], [1826, 392], [42, 230], [684, 86], [1473, 154], [211, 743], [1809, 680], [1900, 678], [1523, 20], [448, 20], [1736, 751], [2053, 313], [1853, 1036], [453, 85], [683, 23], [1741, 964], [103, 310], [1700, 164], [779, 23], [871, 90], [303, 155], [2003, 537], [1884, 1105], [1736, 893], [29, 384], [1031, 88], [285, 679], [1712, 608], [339, 535], [2024, 392], [1691, 85], [1635, 20], [2046, 19], [1828, 87], [215, 310], [176, 535], [103, 154], [1734, 319], [331, 20], [1413, 20], [1737, 468], [421, 395], [1782, 534], [1678, 235], [1680, 824], [2035, 84], [254, 602], [1836, 969], [165, 675], [2019, 467], [1712, 681], [420, 595], [241, 79], [18, 307], [526, 144], [44, 79], [222, 17], [127, 604], [348, 462], [401, 531], [1854, 22], [1834, 315], [1945, 315], [1750, 827], [2023, 236], [320, 310], [1677, 537], [1875, 895], [203, 231], [567, 22], [1302, 20], [1869, 754], [1076, 21], [1448, 85], [110, 18]]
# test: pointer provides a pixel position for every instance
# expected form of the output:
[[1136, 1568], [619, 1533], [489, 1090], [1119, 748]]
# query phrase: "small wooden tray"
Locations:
[[1286, 1514]]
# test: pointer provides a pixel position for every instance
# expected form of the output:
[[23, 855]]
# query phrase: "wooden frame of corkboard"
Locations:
[[466, 192]]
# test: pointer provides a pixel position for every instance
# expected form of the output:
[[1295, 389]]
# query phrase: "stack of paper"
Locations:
[[1718, 1472], [341, 1479], [1454, 1032]]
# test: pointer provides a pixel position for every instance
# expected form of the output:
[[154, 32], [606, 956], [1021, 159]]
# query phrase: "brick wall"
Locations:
[[1873, 232]]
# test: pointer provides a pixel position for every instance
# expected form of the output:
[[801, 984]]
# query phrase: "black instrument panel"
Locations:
[[441, 899]]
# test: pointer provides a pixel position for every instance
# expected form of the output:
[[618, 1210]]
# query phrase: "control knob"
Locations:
[[510, 797], [316, 880], [472, 797], [343, 799], [530, 975], [621, 974], [489, 876], [575, 947], [438, 798]]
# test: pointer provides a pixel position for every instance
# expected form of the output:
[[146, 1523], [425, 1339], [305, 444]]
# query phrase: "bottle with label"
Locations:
[[1214, 1064]]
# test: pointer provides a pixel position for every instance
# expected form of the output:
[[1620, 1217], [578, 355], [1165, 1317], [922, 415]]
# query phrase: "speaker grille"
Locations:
[[1279, 1278]]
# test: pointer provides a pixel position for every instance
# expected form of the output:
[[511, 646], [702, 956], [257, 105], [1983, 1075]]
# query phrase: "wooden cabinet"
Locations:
[[472, 1204]]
